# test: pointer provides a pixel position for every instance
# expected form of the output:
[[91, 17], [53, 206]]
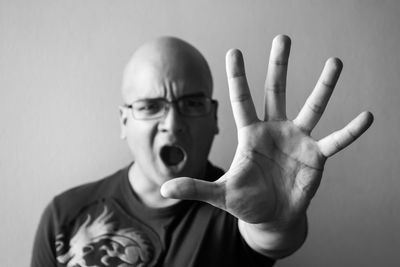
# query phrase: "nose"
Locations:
[[172, 122]]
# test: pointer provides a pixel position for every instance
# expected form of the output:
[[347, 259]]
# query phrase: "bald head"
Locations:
[[162, 61]]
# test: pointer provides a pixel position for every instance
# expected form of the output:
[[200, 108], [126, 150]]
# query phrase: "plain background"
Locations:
[[60, 72]]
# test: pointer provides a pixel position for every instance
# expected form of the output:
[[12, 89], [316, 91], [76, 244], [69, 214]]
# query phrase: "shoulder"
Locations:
[[83, 195]]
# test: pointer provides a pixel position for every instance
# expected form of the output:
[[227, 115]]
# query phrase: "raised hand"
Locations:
[[277, 166]]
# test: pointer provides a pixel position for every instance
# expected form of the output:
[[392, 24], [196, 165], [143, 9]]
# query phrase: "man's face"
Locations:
[[174, 145]]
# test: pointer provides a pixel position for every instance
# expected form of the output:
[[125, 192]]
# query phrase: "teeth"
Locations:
[[172, 155]]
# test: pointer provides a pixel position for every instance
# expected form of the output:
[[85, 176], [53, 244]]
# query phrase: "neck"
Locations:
[[147, 190]]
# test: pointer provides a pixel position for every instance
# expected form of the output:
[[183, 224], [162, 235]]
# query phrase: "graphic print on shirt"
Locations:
[[98, 243]]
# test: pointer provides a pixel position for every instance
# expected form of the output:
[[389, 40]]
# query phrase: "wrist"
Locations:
[[275, 240]]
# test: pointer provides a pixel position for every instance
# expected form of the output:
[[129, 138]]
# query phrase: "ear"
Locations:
[[123, 120]]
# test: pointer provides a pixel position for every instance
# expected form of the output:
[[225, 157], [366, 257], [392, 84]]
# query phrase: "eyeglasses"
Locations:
[[190, 106]]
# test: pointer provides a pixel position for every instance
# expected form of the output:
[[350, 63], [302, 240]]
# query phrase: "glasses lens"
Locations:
[[195, 106], [148, 109]]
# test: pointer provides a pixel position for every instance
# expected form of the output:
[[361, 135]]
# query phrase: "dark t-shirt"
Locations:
[[104, 224]]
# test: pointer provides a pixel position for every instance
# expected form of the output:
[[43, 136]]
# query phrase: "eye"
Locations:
[[195, 102], [147, 106]]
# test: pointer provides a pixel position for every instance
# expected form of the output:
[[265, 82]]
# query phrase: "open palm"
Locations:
[[277, 167]]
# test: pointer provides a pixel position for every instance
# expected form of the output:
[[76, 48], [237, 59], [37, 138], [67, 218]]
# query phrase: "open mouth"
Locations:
[[172, 155]]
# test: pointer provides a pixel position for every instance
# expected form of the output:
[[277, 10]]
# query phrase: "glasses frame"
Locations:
[[213, 102]]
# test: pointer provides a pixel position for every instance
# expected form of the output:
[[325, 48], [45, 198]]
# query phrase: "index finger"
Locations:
[[243, 108]]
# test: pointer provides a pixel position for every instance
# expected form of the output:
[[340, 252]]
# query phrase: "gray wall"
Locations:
[[60, 70]]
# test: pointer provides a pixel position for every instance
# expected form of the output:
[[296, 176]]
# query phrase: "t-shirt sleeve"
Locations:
[[43, 254]]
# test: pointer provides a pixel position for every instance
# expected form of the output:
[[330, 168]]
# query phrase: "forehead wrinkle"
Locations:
[[140, 85], [173, 62]]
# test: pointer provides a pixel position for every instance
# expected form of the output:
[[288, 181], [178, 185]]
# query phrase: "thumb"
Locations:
[[192, 189]]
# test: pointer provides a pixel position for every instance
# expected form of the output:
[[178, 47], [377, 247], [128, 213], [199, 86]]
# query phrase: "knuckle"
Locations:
[[243, 97], [314, 107], [276, 87]]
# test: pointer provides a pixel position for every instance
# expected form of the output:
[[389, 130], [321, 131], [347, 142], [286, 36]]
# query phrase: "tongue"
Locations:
[[171, 155]]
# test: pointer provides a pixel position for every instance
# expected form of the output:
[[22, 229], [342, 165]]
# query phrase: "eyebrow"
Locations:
[[193, 95], [184, 96]]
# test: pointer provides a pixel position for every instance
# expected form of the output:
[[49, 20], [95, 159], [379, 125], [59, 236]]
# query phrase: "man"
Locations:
[[171, 207]]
